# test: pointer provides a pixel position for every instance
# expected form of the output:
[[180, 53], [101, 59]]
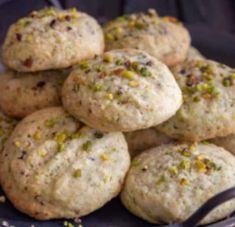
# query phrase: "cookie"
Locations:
[[194, 54], [51, 39], [7, 125], [55, 167], [227, 142], [164, 38], [208, 110], [25, 93], [170, 182], [141, 140], [122, 90]]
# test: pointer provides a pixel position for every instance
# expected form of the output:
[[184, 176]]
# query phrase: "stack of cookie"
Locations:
[[66, 161]]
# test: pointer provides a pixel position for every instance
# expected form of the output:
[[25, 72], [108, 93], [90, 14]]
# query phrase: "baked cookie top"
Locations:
[[122, 90], [208, 109], [164, 38], [25, 93], [170, 182], [55, 167], [51, 39]]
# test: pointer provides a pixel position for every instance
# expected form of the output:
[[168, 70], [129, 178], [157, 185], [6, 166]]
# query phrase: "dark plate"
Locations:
[[215, 45]]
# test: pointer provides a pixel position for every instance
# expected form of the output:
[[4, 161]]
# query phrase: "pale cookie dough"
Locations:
[[167, 184], [25, 93], [122, 90], [164, 38], [55, 167], [52, 39], [208, 109]]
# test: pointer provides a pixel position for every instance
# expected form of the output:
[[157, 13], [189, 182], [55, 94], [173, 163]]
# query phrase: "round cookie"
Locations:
[[164, 38], [227, 142], [123, 90], [194, 54], [208, 110], [25, 93], [55, 167], [52, 39], [170, 182], [144, 139]]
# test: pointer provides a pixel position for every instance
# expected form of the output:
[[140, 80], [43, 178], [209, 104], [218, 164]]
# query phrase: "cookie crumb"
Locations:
[[2, 199]]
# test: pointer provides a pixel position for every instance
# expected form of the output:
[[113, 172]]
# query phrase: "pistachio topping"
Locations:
[[183, 182], [229, 80], [109, 96], [128, 74], [119, 62], [77, 173], [87, 146], [84, 65], [108, 58], [161, 180], [17, 144], [37, 135], [104, 157], [184, 164], [76, 88], [135, 162], [49, 123], [173, 170], [133, 83], [42, 152], [97, 87], [145, 72]]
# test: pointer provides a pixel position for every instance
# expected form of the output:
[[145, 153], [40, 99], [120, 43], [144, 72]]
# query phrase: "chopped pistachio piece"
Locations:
[[183, 182], [104, 157], [133, 83], [184, 164], [76, 87], [161, 180], [108, 58], [84, 65], [77, 173], [109, 96], [145, 72], [37, 135], [49, 123], [87, 146], [128, 74]]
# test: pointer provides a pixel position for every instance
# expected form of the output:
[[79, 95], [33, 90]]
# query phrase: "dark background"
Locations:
[[210, 22]]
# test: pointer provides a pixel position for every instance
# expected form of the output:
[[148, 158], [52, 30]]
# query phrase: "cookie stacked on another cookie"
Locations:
[[208, 109], [53, 166], [164, 38], [122, 90], [49, 39], [25, 93]]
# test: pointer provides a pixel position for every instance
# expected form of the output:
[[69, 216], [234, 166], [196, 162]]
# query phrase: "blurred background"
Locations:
[[210, 22]]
